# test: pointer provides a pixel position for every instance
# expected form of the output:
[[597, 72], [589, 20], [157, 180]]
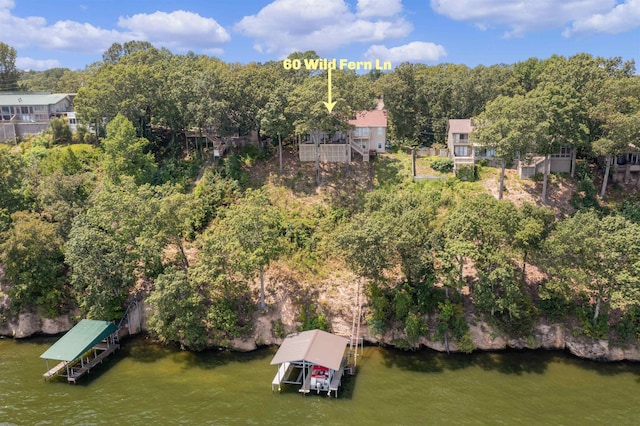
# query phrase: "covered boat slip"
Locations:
[[82, 348], [314, 359]]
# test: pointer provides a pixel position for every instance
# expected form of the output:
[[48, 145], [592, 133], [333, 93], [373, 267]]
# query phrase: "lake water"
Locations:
[[149, 384]]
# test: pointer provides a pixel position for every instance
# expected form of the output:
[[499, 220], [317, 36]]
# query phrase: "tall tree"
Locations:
[[124, 153], [179, 310], [249, 234], [113, 244], [12, 186], [560, 121], [618, 116], [31, 253], [8, 72], [599, 257], [395, 230], [502, 127]]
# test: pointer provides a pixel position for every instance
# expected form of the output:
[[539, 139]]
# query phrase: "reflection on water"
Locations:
[[146, 383]]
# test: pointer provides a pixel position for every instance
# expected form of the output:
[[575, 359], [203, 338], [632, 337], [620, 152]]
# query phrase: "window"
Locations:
[[72, 121], [379, 145], [485, 153], [461, 137], [40, 108], [379, 131], [462, 151], [565, 152], [361, 132]]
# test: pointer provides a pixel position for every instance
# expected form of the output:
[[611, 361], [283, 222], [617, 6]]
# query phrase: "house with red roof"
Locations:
[[370, 131], [367, 137]]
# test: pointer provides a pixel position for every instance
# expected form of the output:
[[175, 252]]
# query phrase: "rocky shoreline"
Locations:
[[546, 336]]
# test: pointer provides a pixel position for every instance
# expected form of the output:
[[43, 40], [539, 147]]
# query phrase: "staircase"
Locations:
[[358, 148], [355, 341]]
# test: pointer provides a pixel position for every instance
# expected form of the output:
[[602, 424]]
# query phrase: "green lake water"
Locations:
[[148, 384]]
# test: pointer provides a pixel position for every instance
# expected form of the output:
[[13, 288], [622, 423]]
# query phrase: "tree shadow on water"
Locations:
[[507, 362], [212, 358]]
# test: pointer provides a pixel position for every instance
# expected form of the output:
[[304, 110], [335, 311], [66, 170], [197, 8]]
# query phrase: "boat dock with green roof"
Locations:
[[82, 348]]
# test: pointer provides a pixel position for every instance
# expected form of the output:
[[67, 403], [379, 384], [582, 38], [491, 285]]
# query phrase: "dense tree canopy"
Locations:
[[138, 215]]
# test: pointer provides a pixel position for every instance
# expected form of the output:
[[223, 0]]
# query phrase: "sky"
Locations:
[[75, 33]]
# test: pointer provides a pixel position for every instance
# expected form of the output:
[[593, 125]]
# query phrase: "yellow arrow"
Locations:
[[330, 104]]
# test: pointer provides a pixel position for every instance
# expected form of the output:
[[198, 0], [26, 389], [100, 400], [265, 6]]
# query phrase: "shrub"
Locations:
[[584, 196], [582, 169], [628, 329], [598, 330], [311, 319], [469, 172], [278, 328], [442, 165]]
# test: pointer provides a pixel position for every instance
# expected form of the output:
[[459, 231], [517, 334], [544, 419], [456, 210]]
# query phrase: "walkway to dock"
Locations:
[[281, 375]]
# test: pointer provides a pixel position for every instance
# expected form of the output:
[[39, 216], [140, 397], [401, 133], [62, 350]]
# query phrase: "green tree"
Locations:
[[8, 72], [557, 119], [249, 232], [124, 153], [60, 131], [618, 116], [481, 229], [597, 256], [178, 310], [34, 264], [503, 127], [12, 186], [62, 197], [394, 230], [113, 244]]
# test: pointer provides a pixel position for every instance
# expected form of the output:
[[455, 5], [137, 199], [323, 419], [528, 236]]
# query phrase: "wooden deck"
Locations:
[[55, 370], [76, 372]]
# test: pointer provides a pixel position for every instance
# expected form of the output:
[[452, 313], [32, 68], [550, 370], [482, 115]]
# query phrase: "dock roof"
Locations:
[[314, 346], [85, 335]]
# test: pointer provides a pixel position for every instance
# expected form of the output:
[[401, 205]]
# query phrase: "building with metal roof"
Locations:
[[81, 348], [314, 359], [24, 114]]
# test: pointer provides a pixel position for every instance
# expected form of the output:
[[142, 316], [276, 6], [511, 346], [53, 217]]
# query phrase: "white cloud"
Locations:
[[284, 26], [27, 64], [623, 17], [180, 29], [416, 51], [370, 8], [521, 16], [65, 35]]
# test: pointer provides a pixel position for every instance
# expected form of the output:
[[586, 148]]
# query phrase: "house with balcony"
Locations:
[[23, 114], [626, 164], [465, 152], [366, 137], [369, 134]]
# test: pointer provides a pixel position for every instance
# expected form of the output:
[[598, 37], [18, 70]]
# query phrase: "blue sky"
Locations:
[[74, 33]]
